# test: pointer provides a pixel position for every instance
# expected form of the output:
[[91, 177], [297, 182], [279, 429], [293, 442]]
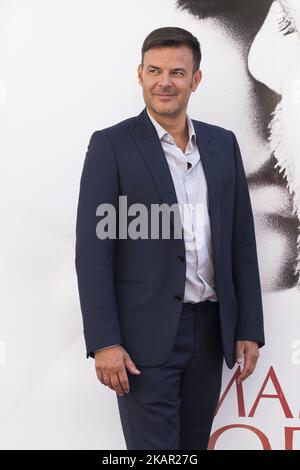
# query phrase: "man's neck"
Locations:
[[175, 126]]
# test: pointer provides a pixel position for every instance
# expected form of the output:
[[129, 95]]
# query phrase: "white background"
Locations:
[[68, 68]]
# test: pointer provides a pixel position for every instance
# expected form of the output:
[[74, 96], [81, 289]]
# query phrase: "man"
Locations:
[[160, 313]]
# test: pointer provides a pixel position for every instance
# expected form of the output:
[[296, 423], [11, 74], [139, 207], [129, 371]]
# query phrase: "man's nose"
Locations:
[[165, 80]]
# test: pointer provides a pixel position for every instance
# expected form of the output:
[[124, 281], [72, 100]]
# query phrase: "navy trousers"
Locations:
[[172, 406]]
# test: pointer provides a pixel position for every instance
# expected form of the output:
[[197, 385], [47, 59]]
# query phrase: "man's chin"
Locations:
[[165, 110]]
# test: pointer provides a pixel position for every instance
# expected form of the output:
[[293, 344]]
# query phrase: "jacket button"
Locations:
[[178, 296], [181, 258]]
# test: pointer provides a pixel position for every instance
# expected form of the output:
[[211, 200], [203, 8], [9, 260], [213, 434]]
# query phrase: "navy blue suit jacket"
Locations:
[[131, 291]]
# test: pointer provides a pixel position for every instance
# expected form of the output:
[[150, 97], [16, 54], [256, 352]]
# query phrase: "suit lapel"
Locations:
[[212, 170], [151, 150]]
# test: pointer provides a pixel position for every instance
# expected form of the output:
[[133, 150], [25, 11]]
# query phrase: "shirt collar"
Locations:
[[162, 132]]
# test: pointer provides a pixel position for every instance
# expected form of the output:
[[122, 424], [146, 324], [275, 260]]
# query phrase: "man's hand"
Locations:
[[247, 352], [111, 366]]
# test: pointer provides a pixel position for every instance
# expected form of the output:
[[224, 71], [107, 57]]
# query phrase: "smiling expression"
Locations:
[[167, 79]]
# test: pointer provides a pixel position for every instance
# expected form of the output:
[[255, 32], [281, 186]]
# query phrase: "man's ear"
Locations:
[[139, 70], [197, 79]]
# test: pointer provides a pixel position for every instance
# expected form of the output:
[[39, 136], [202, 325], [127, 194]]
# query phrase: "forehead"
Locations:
[[171, 56]]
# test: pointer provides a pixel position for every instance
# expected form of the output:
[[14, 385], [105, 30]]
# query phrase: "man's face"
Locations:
[[167, 79]]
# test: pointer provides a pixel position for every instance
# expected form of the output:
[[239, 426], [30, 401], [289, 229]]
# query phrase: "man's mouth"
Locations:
[[164, 96]]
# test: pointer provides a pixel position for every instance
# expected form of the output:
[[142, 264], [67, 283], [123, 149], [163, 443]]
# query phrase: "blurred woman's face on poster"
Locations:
[[256, 71], [274, 59]]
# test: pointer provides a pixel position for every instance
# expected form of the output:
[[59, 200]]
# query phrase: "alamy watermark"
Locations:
[[190, 216]]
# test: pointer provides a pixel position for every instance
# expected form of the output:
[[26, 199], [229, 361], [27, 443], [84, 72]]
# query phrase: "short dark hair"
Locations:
[[173, 37]]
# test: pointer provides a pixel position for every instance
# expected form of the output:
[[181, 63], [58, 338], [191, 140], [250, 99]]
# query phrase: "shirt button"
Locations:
[[178, 296], [180, 258]]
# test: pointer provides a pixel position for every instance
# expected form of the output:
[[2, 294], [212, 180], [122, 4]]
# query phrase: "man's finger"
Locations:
[[123, 378], [115, 382], [239, 353], [240, 358], [100, 376], [131, 366], [249, 367], [106, 379]]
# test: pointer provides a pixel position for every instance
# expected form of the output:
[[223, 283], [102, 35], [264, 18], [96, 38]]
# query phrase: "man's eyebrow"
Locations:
[[173, 70]]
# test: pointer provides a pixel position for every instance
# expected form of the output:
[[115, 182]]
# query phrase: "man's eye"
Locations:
[[179, 74], [153, 71]]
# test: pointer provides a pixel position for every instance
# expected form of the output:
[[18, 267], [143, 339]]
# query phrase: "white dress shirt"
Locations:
[[191, 189]]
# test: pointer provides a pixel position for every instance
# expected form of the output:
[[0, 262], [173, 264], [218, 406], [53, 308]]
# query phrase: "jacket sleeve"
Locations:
[[94, 257], [245, 268]]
